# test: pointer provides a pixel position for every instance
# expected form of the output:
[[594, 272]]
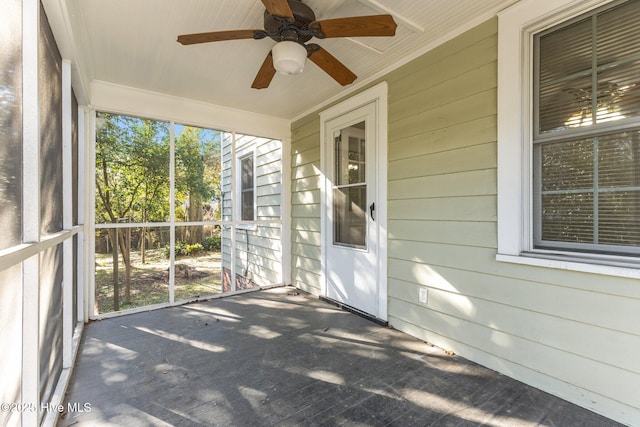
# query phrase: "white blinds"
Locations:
[[587, 138], [590, 68]]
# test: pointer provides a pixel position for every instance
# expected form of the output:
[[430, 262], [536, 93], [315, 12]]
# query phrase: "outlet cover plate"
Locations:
[[424, 295]]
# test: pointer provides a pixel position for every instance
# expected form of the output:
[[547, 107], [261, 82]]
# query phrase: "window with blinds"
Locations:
[[247, 189], [586, 155]]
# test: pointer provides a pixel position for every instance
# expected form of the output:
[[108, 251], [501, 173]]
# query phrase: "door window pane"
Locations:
[[350, 189], [350, 155], [350, 216]]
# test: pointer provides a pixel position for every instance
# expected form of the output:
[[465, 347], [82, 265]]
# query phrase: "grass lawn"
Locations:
[[196, 276]]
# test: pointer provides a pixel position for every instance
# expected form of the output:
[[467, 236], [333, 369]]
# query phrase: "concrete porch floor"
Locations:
[[273, 358]]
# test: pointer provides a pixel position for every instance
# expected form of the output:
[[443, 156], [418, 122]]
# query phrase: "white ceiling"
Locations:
[[133, 43]]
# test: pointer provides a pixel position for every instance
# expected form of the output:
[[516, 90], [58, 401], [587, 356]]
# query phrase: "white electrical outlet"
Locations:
[[423, 295]]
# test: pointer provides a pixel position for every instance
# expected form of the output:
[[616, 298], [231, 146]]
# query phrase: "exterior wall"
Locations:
[[258, 247], [573, 334], [305, 204]]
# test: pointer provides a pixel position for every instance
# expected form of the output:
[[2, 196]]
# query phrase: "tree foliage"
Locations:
[[132, 169], [198, 169], [133, 181]]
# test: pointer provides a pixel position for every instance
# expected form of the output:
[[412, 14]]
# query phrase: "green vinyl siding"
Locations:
[[305, 204], [573, 334]]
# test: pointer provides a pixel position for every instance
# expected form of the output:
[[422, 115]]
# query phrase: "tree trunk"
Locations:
[[116, 279], [126, 257], [143, 242], [194, 213], [127, 288], [143, 245]]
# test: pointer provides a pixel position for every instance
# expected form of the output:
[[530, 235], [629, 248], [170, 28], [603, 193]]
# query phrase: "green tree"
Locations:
[[132, 185], [197, 177]]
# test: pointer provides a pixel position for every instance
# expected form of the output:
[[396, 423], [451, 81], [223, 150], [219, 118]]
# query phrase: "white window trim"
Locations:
[[241, 154], [516, 27]]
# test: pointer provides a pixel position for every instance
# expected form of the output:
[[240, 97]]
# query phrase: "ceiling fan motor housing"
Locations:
[[279, 28]]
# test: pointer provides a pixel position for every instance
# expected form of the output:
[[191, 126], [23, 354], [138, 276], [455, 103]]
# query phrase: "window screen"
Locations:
[[11, 124], [587, 133], [50, 95]]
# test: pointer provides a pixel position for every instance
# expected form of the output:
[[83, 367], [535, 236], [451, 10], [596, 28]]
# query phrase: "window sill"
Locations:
[[618, 268], [249, 227]]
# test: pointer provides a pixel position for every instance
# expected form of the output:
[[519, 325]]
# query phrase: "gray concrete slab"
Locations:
[[271, 358]]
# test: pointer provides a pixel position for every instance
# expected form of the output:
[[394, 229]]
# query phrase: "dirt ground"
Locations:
[[195, 277]]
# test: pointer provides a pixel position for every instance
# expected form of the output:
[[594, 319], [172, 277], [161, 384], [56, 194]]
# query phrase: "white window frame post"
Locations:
[[31, 211], [285, 211], [234, 215], [67, 218], [172, 212], [82, 314], [90, 210]]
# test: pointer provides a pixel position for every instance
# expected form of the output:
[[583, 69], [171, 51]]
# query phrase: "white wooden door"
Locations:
[[351, 232]]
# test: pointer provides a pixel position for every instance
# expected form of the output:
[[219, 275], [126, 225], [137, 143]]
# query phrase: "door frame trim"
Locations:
[[378, 95]]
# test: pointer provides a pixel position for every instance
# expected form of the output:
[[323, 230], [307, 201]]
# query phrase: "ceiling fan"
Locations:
[[292, 24]]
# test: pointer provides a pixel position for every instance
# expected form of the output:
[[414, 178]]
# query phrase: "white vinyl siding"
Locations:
[[258, 249]]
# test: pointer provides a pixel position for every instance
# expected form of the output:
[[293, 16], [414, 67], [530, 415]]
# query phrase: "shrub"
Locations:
[[166, 251], [212, 243], [183, 249], [192, 249]]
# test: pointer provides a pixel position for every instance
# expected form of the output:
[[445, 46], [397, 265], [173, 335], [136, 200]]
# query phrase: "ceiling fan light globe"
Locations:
[[289, 57]]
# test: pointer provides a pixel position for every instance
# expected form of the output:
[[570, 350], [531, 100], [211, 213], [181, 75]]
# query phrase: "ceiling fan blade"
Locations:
[[218, 36], [330, 65], [357, 26], [265, 74], [278, 8]]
